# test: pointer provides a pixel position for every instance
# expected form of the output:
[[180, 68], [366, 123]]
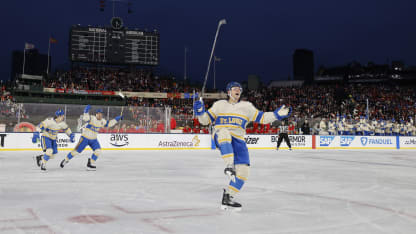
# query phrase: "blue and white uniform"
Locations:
[[89, 134], [50, 128], [229, 120]]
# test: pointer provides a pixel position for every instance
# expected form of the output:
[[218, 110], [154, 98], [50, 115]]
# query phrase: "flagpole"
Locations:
[[49, 49], [24, 60]]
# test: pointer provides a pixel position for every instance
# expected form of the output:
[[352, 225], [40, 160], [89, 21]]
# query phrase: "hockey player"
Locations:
[[409, 127], [50, 128], [230, 118], [396, 128], [323, 127], [89, 136], [332, 128]]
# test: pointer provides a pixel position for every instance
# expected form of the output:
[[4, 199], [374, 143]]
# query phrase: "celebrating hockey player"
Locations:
[[89, 136], [50, 128], [230, 119]]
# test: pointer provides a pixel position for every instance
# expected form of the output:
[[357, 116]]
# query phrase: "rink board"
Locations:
[[23, 141]]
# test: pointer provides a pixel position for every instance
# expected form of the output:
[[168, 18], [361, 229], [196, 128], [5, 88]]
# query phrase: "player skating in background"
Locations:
[[50, 128], [230, 118], [89, 136]]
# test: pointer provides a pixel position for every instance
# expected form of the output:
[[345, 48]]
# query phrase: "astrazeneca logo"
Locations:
[[326, 140], [364, 141], [119, 140], [346, 140]]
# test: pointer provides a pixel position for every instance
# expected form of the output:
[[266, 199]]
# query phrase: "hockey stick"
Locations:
[[223, 21], [121, 113]]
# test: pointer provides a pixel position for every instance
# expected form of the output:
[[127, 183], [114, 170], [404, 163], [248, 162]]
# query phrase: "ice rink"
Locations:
[[303, 191]]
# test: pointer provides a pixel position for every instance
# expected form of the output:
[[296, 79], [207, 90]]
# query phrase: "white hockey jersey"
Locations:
[[94, 125], [234, 117], [50, 128]]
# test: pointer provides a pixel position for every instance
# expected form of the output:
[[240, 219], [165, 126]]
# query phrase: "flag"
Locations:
[[29, 46], [53, 40]]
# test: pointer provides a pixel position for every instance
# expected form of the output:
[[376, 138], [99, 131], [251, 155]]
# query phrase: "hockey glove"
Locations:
[[118, 118], [199, 107], [282, 112], [35, 137], [87, 109], [230, 171], [72, 137]]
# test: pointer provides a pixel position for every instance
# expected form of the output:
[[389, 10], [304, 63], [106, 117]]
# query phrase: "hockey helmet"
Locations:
[[59, 112], [99, 111], [233, 84]]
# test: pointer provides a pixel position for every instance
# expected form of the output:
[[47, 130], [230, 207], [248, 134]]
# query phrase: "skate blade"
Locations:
[[230, 208], [91, 169]]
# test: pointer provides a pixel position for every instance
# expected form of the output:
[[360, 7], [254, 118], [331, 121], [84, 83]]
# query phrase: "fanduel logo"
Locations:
[[119, 140], [346, 140], [326, 140], [364, 141]]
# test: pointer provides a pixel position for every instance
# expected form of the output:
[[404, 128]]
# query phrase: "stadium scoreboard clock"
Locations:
[[116, 45]]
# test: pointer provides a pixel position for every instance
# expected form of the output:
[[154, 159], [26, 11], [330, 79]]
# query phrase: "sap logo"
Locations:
[[251, 140], [325, 140], [119, 140], [364, 141], [346, 140], [2, 137]]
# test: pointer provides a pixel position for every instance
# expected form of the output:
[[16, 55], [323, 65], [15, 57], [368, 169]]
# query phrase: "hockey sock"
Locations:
[[94, 157], [235, 187], [69, 156], [46, 157]]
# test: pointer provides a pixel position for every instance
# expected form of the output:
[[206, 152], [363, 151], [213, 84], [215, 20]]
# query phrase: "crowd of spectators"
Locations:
[[309, 102]]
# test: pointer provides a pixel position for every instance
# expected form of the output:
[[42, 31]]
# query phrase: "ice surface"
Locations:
[[303, 191]]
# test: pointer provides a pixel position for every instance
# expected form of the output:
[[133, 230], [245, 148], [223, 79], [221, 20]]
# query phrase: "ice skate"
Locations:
[[63, 163], [90, 166], [228, 203], [43, 166], [38, 159]]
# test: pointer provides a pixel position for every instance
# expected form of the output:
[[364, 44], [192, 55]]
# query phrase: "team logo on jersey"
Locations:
[[119, 140], [364, 140], [325, 140], [346, 140]]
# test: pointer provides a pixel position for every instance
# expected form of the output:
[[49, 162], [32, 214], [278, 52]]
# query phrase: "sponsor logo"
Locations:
[[64, 142], [364, 141], [375, 141], [325, 140], [292, 139], [346, 140], [2, 137], [119, 140], [251, 140], [194, 143], [410, 141]]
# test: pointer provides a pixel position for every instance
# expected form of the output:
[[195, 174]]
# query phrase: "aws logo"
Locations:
[[119, 140], [195, 141]]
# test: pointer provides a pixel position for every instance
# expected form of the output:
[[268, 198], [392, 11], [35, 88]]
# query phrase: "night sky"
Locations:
[[259, 38]]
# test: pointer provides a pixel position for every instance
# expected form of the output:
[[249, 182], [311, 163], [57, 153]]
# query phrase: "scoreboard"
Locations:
[[111, 46]]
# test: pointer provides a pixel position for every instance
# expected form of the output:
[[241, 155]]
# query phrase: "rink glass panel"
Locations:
[[136, 119]]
